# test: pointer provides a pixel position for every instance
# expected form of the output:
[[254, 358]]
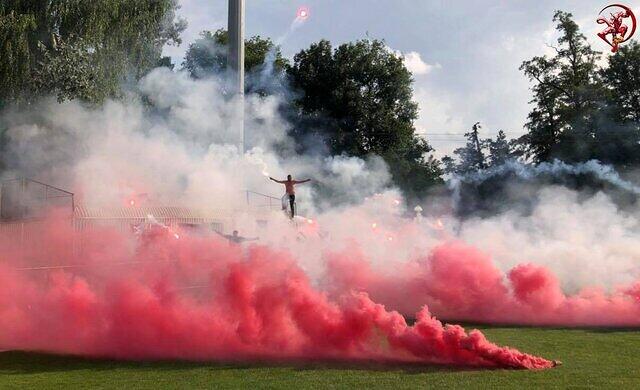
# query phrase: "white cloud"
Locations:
[[413, 61]]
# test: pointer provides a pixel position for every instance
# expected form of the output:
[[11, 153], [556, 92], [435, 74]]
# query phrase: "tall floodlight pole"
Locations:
[[235, 63]]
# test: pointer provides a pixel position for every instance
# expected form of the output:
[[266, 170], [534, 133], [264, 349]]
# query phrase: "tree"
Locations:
[[360, 97], [69, 72], [80, 49], [208, 54], [16, 58], [479, 154], [500, 150], [470, 157], [565, 94], [618, 138], [622, 79], [165, 62]]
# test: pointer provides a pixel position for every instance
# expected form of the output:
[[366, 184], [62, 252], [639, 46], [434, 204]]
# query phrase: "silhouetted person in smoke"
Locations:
[[234, 238], [289, 185]]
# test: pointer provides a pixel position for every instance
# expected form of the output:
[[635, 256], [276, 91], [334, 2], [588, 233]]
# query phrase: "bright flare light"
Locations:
[[303, 13], [374, 225]]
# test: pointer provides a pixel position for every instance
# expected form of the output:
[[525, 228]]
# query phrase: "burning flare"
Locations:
[[303, 13]]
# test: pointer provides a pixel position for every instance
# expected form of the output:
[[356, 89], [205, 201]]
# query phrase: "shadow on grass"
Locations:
[[18, 362]]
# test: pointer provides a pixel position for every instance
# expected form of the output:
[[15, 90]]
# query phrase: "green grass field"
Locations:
[[593, 358]]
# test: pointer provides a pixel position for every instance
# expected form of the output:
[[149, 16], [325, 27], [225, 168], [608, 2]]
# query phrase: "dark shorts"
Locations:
[[292, 202]]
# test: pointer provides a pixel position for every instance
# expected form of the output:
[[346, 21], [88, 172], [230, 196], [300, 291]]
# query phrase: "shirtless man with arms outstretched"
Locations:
[[289, 186]]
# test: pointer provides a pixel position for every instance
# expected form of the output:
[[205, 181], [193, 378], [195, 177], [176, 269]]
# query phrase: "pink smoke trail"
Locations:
[[458, 282], [202, 299]]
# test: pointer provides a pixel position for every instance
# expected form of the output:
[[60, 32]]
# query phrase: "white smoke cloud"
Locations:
[[181, 152], [584, 242]]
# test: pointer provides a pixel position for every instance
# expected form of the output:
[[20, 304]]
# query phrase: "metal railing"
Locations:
[[263, 201], [23, 198]]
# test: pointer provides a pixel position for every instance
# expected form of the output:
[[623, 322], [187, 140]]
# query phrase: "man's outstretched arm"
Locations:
[[225, 236], [277, 181], [302, 181]]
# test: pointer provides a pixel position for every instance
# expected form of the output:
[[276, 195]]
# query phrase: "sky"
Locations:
[[464, 54]]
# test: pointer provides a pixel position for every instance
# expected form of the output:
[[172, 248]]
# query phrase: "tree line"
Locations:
[[581, 111], [355, 99]]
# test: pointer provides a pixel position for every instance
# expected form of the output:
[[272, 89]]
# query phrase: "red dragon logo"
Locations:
[[615, 26]]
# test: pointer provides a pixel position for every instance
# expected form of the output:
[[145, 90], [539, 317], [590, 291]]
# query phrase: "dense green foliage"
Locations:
[[362, 94], [471, 157], [479, 154], [80, 49], [565, 94], [264, 64], [622, 79], [355, 100], [582, 112], [208, 54], [593, 358]]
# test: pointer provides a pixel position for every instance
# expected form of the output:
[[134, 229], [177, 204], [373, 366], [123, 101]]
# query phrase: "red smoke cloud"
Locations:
[[200, 298], [458, 282]]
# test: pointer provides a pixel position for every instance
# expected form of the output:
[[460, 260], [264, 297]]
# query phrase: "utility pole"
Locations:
[[235, 64]]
